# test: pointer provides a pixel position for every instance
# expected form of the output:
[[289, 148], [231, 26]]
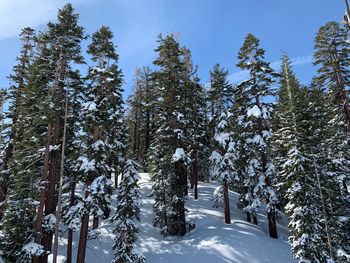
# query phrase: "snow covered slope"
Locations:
[[212, 241]]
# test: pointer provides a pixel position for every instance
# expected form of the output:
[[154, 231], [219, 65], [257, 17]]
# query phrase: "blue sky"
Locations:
[[213, 29]]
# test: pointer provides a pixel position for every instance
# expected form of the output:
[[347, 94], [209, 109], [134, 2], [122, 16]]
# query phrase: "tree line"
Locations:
[[281, 145]]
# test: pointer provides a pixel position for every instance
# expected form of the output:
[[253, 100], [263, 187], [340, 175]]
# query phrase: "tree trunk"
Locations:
[[50, 201], [195, 179], [147, 133], [69, 246], [324, 213], [191, 176], [51, 193], [249, 219], [226, 204], [58, 210], [70, 231], [83, 238], [184, 180], [95, 222], [96, 136], [40, 212], [85, 220], [255, 219], [134, 139], [272, 225]]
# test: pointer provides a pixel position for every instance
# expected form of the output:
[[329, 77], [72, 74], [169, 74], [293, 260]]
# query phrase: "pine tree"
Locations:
[[295, 169], [19, 80], [141, 116], [198, 134], [171, 170], [332, 58], [223, 159], [220, 95], [72, 205], [195, 124], [126, 215], [289, 122], [24, 155], [60, 49], [105, 131], [254, 119]]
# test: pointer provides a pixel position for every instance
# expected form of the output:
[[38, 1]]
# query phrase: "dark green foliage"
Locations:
[[126, 216]]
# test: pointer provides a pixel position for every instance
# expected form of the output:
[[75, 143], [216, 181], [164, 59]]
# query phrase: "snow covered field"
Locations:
[[212, 241]]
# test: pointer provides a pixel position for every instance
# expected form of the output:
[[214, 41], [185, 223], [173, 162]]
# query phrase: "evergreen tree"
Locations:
[[60, 49], [332, 58], [171, 138], [198, 134], [24, 156], [104, 127], [220, 95], [19, 80], [195, 133], [126, 215], [254, 119], [289, 122], [141, 116], [72, 205], [295, 169], [223, 159]]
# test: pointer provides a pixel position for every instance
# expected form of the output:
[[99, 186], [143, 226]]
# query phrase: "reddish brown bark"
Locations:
[[40, 213], [95, 222], [51, 193], [83, 238]]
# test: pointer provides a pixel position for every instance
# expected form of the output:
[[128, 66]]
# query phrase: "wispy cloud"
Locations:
[[16, 14], [244, 74]]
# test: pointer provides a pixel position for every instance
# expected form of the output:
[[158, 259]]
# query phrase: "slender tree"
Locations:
[[126, 216], [256, 122], [104, 129]]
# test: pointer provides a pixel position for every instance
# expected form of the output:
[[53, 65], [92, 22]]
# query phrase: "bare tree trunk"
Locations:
[[191, 176], [58, 210], [83, 238], [95, 222], [255, 219], [40, 212], [324, 212], [226, 204], [195, 179], [272, 225], [147, 133], [249, 219], [70, 231], [181, 231], [51, 193], [96, 136], [85, 220]]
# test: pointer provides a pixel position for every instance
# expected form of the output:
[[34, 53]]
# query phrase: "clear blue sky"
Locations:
[[213, 29]]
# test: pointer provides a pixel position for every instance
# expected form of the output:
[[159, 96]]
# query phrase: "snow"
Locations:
[[211, 241], [222, 138], [33, 249], [179, 155], [255, 111], [89, 106], [86, 164]]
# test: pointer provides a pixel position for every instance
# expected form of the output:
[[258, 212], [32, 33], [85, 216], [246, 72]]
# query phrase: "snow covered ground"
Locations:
[[212, 241]]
